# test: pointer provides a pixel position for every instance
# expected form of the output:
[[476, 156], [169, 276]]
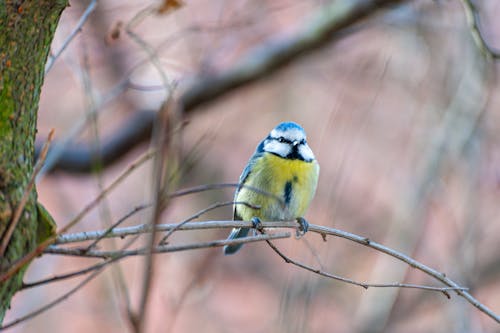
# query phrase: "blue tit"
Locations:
[[278, 182]]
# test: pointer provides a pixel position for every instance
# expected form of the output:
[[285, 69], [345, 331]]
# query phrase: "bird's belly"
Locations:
[[282, 189]]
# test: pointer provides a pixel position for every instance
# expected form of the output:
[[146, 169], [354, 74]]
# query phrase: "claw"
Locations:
[[257, 225], [303, 227]]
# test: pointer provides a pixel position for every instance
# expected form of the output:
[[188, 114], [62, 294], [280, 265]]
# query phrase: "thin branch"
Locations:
[[26, 194], [52, 58], [474, 21], [162, 137], [39, 249], [207, 187], [124, 253], [162, 248], [53, 303], [81, 157], [60, 277], [203, 211], [96, 270], [323, 231], [93, 267], [117, 223], [148, 49], [410, 261], [146, 228], [365, 285]]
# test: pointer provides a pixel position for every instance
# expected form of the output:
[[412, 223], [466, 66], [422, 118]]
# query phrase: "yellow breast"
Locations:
[[292, 181]]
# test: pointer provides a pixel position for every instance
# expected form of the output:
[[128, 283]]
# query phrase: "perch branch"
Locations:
[[323, 231]]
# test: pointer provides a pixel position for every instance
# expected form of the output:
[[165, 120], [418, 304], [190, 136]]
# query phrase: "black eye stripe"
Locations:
[[285, 140], [282, 139]]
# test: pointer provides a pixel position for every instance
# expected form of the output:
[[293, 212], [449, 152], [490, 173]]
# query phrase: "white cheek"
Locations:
[[280, 148], [306, 152]]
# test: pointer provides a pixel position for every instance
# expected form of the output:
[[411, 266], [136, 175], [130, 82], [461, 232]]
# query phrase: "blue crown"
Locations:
[[288, 126]]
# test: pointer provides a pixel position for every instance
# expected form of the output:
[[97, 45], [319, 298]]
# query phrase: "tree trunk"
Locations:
[[26, 32]]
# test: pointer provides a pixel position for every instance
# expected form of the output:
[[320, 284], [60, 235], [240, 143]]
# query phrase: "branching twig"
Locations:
[[39, 249], [124, 253], [117, 223], [201, 212], [145, 228], [365, 285], [160, 249], [26, 194], [53, 303], [52, 58], [323, 231]]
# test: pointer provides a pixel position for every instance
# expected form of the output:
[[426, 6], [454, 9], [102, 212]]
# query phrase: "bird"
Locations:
[[278, 182]]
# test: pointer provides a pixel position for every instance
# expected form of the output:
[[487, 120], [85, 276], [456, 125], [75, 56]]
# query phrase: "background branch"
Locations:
[[324, 26]]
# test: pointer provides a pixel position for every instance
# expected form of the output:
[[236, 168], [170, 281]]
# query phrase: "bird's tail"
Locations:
[[235, 233]]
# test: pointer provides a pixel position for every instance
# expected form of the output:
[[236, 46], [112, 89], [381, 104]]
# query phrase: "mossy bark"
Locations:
[[26, 32]]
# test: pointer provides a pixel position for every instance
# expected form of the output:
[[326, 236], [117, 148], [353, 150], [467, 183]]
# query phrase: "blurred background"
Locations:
[[401, 113]]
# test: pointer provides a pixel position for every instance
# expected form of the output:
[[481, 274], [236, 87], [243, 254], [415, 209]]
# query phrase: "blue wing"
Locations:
[[242, 232], [243, 177]]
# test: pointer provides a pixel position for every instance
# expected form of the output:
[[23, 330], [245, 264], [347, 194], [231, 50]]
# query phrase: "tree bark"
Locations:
[[26, 32]]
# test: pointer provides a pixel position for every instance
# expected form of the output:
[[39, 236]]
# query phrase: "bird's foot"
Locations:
[[257, 224], [303, 227]]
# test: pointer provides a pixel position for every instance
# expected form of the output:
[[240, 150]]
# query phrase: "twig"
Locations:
[[53, 303], [207, 187], [52, 58], [323, 231], [80, 158], [152, 56], [105, 192], [26, 194], [474, 21], [120, 255], [410, 261], [79, 272], [203, 211], [96, 270], [162, 142], [162, 248], [60, 277], [145, 228], [365, 285], [39, 249], [117, 223]]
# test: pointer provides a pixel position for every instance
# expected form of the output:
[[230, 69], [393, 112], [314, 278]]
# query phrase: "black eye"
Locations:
[[281, 139]]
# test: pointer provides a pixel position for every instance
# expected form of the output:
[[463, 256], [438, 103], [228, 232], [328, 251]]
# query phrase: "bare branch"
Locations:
[[53, 303], [117, 223], [323, 231], [162, 248], [325, 25], [278, 51], [52, 58], [201, 212], [39, 249], [365, 285], [162, 141]]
